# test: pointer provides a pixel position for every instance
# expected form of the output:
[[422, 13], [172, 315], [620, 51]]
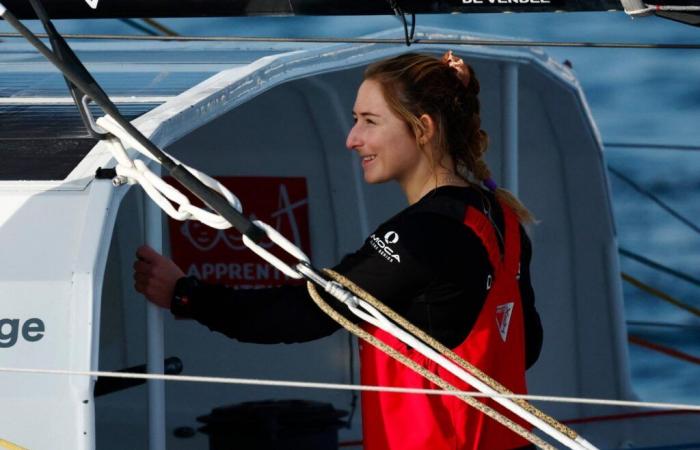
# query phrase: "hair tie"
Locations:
[[457, 64], [490, 184]]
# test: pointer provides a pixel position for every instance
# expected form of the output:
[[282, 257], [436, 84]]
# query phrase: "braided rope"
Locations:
[[449, 353], [367, 337], [10, 446], [660, 294]]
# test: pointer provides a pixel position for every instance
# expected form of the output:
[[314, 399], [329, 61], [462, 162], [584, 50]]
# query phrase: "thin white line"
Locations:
[[349, 387], [69, 100]]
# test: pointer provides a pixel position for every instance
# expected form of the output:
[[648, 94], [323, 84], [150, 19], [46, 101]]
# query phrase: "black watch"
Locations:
[[183, 296]]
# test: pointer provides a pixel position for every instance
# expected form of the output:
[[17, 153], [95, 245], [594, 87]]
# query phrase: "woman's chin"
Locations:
[[371, 178]]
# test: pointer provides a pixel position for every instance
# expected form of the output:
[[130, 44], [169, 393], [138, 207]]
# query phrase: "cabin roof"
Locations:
[[42, 136]]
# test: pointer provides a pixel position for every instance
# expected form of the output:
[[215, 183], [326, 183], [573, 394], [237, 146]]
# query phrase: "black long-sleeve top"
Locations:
[[424, 263]]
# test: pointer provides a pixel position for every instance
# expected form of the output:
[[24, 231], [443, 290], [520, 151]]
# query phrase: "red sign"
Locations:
[[219, 256]]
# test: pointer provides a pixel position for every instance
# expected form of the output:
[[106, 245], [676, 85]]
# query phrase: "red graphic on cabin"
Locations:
[[219, 256]]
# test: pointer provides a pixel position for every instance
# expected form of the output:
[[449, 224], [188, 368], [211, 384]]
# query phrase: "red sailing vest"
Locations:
[[496, 345]]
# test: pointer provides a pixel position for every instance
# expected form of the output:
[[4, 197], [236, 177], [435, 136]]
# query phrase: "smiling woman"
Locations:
[[387, 146], [455, 262]]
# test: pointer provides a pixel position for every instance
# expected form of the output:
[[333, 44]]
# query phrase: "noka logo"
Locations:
[[391, 237], [31, 331], [382, 246]]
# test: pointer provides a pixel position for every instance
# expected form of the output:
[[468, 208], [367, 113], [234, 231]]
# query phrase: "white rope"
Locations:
[[276, 237], [351, 387], [178, 206]]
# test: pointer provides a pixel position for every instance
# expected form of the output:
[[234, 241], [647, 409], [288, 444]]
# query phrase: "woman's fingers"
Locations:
[[141, 277], [147, 254], [155, 275], [142, 267]]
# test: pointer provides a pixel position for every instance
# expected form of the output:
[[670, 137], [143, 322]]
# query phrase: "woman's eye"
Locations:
[[370, 121]]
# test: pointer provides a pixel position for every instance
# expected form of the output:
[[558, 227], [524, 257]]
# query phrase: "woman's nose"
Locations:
[[353, 140]]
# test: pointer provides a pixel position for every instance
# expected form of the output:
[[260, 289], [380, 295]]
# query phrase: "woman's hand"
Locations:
[[155, 276]]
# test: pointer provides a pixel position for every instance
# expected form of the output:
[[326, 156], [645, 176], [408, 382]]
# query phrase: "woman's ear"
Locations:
[[427, 131]]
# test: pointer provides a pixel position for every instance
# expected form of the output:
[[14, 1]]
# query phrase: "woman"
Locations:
[[455, 262]]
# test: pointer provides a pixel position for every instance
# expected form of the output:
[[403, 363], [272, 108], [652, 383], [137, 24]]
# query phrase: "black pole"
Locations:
[[209, 196]]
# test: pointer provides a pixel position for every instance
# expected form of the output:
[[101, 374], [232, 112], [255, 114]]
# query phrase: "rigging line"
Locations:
[[353, 399], [137, 26], [349, 40], [78, 75], [669, 351], [160, 27], [660, 294], [691, 446], [654, 198], [693, 148], [356, 387], [394, 4], [642, 323], [660, 267], [627, 416]]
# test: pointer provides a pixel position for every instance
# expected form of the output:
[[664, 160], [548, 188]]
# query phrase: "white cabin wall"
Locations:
[[43, 235], [575, 272]]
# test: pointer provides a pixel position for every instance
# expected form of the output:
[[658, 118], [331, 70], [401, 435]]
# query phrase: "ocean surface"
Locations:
[[638, 96]]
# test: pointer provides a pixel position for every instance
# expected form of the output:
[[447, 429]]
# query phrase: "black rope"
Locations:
[[159, 26], [655, 199], [64, 53], [137, 26], [349, 40], [79, 76], [638, 323], [354, 398], [660, 267], [398, 11], [692, 148]]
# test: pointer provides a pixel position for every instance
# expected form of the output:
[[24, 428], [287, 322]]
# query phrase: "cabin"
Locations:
[[269, 121]]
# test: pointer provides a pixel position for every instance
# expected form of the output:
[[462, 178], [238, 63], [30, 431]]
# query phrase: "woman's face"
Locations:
[[384, 142]]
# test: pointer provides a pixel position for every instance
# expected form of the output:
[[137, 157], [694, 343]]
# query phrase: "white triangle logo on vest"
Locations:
[[503, 313]]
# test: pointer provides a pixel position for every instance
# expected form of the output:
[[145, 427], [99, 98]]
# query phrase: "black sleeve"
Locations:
[[406, 264], [533, 325], [287, 314]]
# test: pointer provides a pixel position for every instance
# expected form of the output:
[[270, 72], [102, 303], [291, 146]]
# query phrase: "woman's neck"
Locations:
[[439, 178]]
